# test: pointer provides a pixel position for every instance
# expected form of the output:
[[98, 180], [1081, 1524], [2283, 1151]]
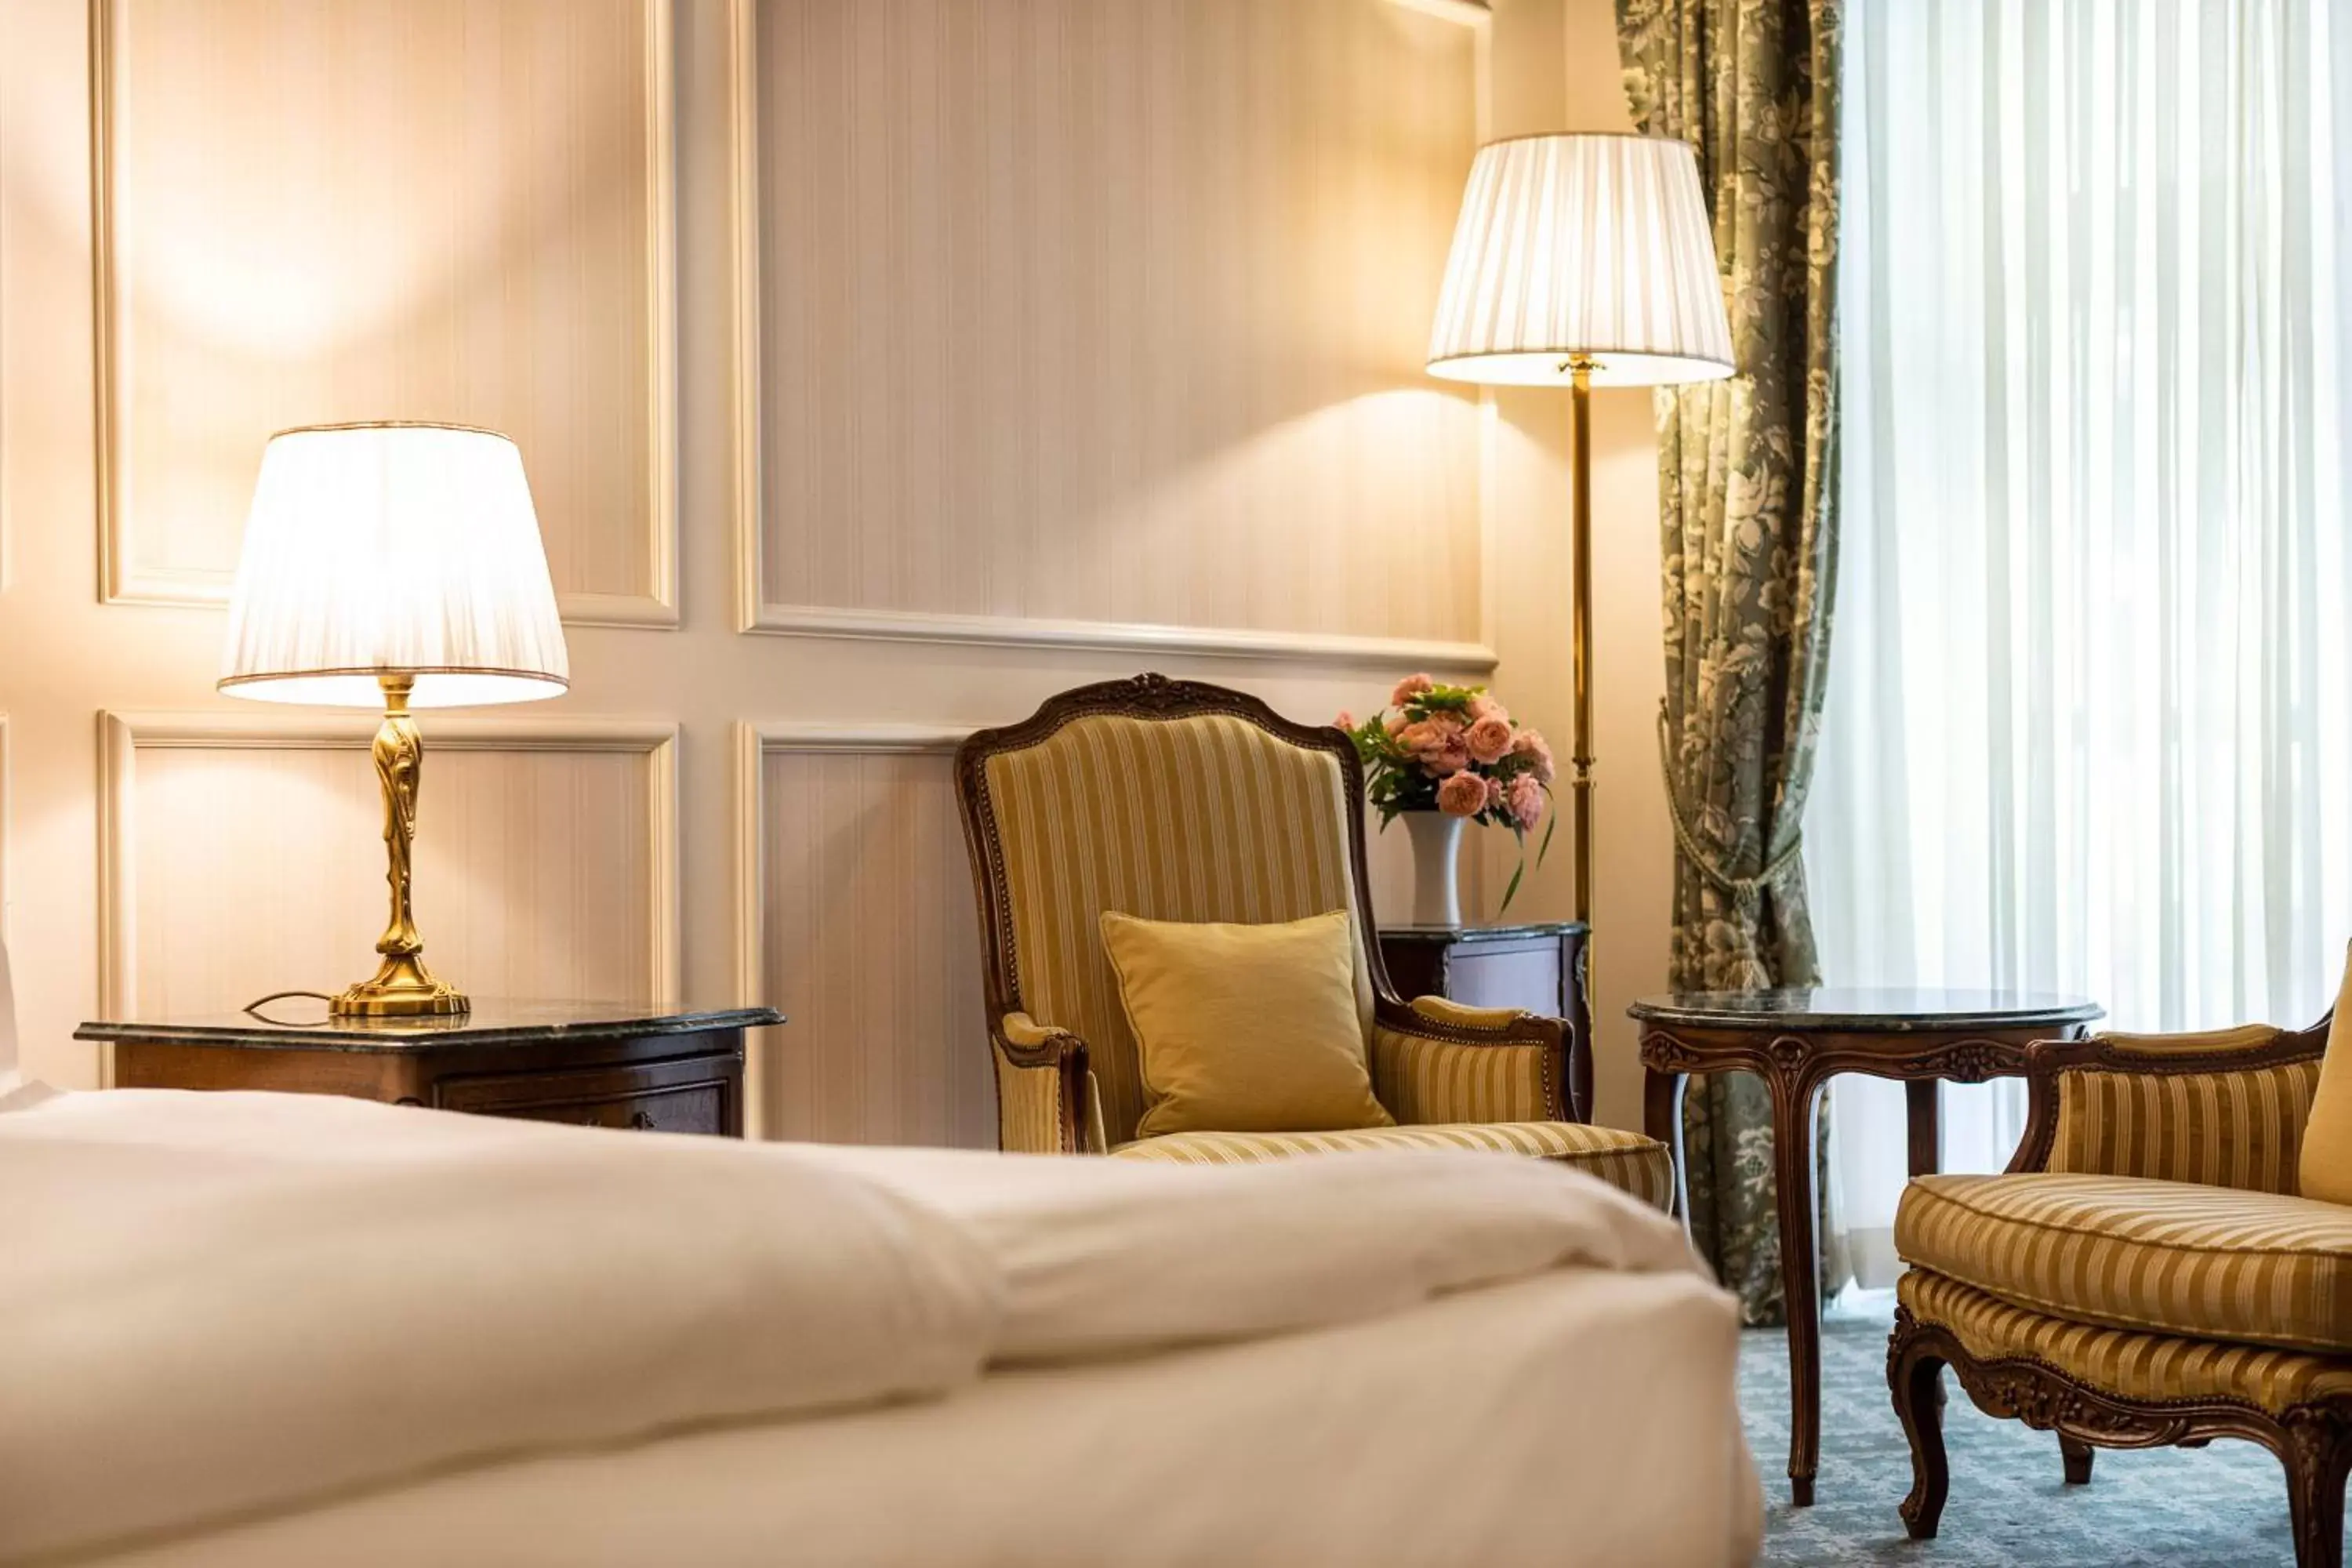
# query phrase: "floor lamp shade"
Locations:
[[1582, 260], [392, 550], [1582, 248]]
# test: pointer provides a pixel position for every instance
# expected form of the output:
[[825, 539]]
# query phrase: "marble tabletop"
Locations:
[[1481, 933], [1878, 1010], [301, 1024]]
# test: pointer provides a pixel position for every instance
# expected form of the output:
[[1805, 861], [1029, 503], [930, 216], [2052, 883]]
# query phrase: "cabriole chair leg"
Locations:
[[2318, 1456], [1914, 1377]]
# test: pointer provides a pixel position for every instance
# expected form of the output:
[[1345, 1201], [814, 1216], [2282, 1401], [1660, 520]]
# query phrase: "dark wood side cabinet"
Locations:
[[590, 1064], [1536, 968]]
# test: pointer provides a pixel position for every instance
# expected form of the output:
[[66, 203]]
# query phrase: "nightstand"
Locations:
[[1538, 968], [592, 1064]]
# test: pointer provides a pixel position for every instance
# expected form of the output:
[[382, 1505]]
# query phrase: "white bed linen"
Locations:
[[216, 1303], [223, 1305], [1574, 1419]]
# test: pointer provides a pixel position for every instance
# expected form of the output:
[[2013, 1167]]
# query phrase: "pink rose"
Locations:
[[1436, 743], [1410, 686], [1490, 739], [1527, 801], [1493, 794], [1393, 723], [1464, 795], [1484, 707], [1530, 743], [1346, 720]]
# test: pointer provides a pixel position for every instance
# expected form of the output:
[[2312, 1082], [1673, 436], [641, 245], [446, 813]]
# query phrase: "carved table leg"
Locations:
[[1662, 1119], [2076, 1456], [2318, 1457], [1915, 1376], [1794, 1093], [1920, 1098]]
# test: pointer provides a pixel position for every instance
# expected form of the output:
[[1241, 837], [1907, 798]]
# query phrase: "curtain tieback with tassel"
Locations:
[[1746, 893]]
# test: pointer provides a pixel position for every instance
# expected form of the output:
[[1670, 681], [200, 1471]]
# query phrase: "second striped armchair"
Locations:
[[2145, 1273], [1178, 801]]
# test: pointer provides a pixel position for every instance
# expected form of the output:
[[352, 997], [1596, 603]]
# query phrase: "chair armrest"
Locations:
[[1046, 1102], [1439, 1061], [2223, 1109]]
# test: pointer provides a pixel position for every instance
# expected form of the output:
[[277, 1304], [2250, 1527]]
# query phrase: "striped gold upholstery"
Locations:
[[2124, 1363], [1425, 1080], [2242, 1129], [1203, 817], [1624, 1159], [2129, 1253], [1028, 1109]]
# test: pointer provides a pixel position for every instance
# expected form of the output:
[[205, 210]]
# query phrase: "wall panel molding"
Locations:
[[7, 810], [123, 736], [957, 1092], [127, 576], [759, 613]]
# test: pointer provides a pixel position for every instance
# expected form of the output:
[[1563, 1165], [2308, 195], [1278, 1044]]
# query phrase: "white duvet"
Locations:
[[216, 1308]]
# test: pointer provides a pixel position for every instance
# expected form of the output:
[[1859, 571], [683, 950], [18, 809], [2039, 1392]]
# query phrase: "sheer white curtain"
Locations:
[[2090, 720]]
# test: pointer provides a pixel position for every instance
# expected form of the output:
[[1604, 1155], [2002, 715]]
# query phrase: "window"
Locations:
[[2090, 723]]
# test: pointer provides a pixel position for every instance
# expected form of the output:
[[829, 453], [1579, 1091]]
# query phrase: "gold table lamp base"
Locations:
[[403, 986]]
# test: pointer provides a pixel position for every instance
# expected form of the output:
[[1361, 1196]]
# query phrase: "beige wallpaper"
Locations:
[[1124, 376], [864, 885], [1077, 311], [318, 210], [206, 819]]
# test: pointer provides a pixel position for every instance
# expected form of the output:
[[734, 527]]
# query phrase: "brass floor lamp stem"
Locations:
[[1581, 757], [403, 986]]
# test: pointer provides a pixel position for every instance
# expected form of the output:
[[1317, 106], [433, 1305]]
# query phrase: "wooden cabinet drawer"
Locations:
[[689, 1094]]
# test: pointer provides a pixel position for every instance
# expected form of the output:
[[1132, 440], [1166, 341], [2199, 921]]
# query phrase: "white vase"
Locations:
[[1436, 878]]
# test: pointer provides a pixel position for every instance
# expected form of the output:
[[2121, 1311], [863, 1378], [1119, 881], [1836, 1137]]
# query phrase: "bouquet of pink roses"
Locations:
[[1453, 749]]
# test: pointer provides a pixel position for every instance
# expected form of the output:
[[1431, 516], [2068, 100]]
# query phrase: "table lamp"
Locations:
[[1582, 260], [397, 565]]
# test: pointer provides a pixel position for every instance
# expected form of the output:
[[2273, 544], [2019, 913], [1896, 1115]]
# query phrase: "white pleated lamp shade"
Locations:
[[1582, 246], [392, 549]]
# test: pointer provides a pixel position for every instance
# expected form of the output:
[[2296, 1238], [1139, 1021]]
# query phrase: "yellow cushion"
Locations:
[[2169, 1257], [1626, 1161], [2326, 1168], [1245, 1028]]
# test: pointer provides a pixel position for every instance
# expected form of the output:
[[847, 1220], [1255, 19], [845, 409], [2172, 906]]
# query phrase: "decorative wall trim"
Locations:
[[123, 735], [7, 806], [911, 626], [756, 615], [122, 580], [7, 533], [754, 743], [1469, 13]]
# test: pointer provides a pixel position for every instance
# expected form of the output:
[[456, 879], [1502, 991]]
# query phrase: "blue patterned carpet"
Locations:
[[2222, 1506]]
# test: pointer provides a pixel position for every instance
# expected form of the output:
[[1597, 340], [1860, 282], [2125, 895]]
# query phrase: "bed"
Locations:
[[263, 1330]]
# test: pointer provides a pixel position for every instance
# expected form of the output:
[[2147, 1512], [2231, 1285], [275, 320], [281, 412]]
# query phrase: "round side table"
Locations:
[[1795, 1041]]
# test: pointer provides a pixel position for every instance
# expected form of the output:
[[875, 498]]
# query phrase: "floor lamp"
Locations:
[[1582, 260]]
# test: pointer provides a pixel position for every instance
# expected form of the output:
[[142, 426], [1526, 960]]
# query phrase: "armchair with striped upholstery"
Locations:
[[1178, 801], [2145, 1273]]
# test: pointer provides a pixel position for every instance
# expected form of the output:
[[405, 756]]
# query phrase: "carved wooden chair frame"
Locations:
[[1566, 1064], [2312, 1441]]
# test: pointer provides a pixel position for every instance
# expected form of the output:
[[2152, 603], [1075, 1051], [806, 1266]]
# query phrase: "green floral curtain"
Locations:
[[1746, 492]]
